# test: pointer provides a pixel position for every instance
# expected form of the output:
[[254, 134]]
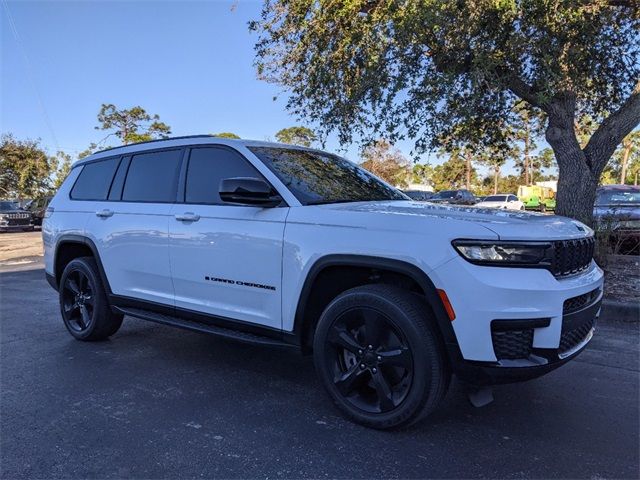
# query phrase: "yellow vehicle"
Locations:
[[536, 197]]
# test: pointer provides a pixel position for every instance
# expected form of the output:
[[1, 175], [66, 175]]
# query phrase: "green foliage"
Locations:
[[131, 125], [302, 136], [451, 174], [625, 163], [422, 173], [61, 167], [25, 168], [225, 135], [92, 148], [387, 163]]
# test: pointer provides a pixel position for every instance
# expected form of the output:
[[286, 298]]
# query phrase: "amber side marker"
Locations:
[[447, 304]]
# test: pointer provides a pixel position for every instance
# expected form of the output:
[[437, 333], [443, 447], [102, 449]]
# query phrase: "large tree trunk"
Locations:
[[625, 161], [580, 169]]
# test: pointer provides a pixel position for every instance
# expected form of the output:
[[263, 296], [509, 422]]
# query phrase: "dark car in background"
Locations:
[[37, 209], [13, 217], [454, 197], [617, 211], [418, 195]]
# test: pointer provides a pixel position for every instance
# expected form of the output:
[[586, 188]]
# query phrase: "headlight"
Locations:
[[503, 253]]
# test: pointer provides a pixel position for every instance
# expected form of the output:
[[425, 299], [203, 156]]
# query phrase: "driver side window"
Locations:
[[207, 167]]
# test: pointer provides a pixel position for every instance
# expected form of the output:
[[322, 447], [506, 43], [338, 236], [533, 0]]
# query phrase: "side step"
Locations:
[[244, 337]]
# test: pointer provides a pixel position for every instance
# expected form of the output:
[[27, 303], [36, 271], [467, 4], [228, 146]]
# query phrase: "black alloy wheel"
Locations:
[[78, 301], [379, 356], [370, 359], [83, 302]]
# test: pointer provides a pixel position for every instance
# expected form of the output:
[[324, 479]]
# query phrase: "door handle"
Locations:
[[188, 217], [104, 213]]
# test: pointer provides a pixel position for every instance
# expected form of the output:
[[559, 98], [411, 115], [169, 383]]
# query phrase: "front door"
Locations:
[[226, 260]]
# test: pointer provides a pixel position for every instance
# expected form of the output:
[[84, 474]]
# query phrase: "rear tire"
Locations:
[[83, 302], [379, 356]]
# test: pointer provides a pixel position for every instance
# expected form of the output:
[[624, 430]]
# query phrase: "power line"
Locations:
[[29, 71]]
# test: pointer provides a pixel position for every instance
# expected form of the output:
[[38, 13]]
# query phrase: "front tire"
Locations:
[[83, 302], [379, 357]]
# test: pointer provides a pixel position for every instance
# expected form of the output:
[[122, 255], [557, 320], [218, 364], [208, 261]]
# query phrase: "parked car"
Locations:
[[38, 208], [13, 218], [454, 197], [503, 200], [617, 209], [418, 195], [293, 247]]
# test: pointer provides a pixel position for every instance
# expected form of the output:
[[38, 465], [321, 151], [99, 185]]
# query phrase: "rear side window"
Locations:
[[207, 167], [152, 177], [94, 181]]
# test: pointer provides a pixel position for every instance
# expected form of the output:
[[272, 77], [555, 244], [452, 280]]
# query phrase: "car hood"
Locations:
[[626, 212], [507, 224]]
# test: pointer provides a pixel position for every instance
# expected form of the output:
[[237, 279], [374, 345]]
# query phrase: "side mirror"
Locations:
[[248, 191]]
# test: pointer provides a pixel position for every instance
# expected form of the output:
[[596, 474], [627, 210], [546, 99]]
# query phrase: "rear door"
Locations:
[[131, 227], [226, 260]]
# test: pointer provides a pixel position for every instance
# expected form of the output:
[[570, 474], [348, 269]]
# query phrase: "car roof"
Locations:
[[181, 142]]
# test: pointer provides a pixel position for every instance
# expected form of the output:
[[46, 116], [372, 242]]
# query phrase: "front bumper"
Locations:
[[578, 330], [514, 324]]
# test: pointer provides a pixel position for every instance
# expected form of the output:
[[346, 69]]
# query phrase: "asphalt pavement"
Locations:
[[156, 402]]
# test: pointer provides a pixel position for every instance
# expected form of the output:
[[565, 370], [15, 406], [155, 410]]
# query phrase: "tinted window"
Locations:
[[152, 177], [94, 181], [207, 166], [316, 177], [618, 197], [512, 198], [495, 198]]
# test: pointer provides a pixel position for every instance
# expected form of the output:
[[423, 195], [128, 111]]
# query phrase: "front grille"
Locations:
[[578, 303], [571, 338], [572, 256], [17, 216], [512, 344]]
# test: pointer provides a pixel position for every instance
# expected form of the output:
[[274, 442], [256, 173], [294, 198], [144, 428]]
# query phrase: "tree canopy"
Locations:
[[426, 69], [302, 136], [26, 171], [131, 125]]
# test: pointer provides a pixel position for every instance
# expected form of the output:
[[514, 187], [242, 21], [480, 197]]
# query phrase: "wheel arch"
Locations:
[[305, 318], [72, 246]]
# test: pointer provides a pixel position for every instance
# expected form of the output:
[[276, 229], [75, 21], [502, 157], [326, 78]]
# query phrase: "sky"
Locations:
[[189, 62]]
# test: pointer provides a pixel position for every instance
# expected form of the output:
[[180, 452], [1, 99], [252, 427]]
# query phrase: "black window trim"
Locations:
[[113, 157], [182, 174], [182, 186]]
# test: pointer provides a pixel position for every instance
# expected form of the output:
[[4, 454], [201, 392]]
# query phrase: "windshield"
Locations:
[[315, 177], [495, 198], [618, 197], [9, 206], [444, 194]]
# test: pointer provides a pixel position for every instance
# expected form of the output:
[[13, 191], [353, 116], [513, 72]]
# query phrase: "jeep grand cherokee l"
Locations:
[[293, 247]]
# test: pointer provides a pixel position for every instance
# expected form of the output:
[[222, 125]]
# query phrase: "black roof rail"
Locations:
[[156, 140]]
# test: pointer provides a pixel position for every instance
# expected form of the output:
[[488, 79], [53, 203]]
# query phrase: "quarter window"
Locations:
[[94, 181], [152, 177], [207, 167]]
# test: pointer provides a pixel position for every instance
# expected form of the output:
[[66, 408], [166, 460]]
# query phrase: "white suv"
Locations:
[[288, 246]]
